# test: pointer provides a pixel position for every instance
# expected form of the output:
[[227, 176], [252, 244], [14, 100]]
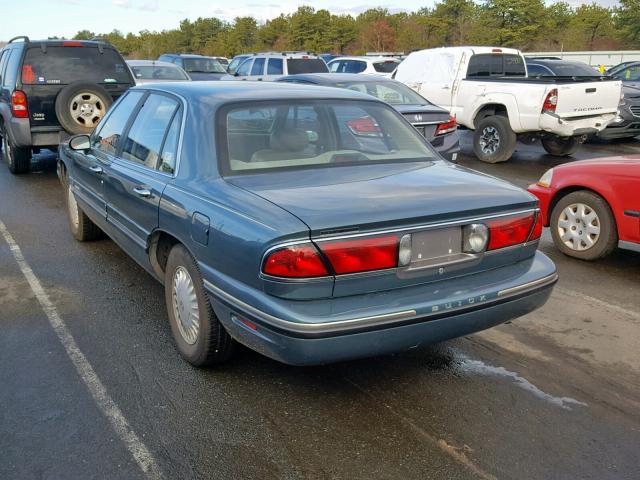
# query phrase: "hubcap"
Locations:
[[73, 208], [87, 109], [489, 140], [579, 226], [185, 305]]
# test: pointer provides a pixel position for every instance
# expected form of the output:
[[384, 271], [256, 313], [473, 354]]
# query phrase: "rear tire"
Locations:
[[493, 139], [582, 226], [81, 226], [560, 146], [18, 159], [200, 337]]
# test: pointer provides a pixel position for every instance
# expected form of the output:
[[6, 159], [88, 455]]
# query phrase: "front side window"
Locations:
[[109, 131], [244, 68], [334, 67], [355, 66], [321, 133], [258, 66], [274, 67], [144, 140], [629, 74]]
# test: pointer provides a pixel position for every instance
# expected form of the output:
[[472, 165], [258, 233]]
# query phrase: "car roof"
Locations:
[[555, 61], [367, 58], [61, 42], [231, 92], [159, 63], [333, 78]]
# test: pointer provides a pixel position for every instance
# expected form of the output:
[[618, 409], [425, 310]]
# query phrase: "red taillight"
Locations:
[[449, 126], [19, 104], [536, 233], [508, 231], [363, 254], [550, 102], [296, 261], [364, 126], [71, 44]]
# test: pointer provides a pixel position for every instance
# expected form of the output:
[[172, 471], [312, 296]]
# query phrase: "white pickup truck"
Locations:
[[487, 89]]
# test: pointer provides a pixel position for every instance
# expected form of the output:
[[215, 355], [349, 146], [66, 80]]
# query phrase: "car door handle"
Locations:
[[142, 190], [96, 169]]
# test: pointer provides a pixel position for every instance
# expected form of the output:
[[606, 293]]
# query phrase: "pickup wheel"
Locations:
[[18, 159], [582, 226], [493, 139], [81, 226], [200, 337], [560, 146]]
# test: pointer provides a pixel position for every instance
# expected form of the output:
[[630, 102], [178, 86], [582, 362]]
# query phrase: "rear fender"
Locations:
[[492, 103]]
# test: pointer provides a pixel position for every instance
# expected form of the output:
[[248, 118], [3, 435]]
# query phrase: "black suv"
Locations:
[[50, 89]]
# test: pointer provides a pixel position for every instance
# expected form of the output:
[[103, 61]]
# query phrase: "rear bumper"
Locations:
[[569, 127], [330, 330], [25, 136], [450, 146]]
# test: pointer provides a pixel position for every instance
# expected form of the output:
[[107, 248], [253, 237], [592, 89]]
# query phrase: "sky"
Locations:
[[66, 17]]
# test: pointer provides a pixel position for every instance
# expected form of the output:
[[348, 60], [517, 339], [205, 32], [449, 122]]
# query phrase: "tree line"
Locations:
[[530, 25]]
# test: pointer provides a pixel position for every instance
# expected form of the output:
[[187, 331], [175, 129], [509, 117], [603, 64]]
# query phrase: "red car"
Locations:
[[592, 206]]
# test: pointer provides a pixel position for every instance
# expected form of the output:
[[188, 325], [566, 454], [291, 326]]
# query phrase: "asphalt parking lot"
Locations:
[[553, 395]]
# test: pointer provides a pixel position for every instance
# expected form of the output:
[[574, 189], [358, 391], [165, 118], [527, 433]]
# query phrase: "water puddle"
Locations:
[[480, 368]]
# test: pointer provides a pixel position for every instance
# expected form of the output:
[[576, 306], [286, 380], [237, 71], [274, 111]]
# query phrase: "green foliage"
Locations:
[[525, 24]]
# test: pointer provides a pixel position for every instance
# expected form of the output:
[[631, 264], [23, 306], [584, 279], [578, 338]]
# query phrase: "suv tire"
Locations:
[[560, 146], [81, 105], [18, 158], [200, 337], [493, 139]]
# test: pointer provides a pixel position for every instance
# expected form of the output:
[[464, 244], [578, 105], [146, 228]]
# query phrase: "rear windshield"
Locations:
[[395, 93], [572, 70], [203, 65], [306, 65], [496, 65], [312, 134], [63, 65], [151, 72], [387, 66]]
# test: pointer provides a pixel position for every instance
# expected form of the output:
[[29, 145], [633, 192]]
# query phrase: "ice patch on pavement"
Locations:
[[481, 368]]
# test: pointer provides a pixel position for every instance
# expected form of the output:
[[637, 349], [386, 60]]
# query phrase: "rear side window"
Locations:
[[387, 66], [274, 67], [496, 65], [109, 132], [146, 135], [258, 66], [354, 66], [538, 71], [170, 147], [306, 65], [11, 70], [629, 74]]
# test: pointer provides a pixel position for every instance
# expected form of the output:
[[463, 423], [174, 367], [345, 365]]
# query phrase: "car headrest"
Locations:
[[291, 139]]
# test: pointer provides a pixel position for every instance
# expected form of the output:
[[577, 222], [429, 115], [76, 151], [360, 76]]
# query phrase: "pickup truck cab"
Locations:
[[488, 90]]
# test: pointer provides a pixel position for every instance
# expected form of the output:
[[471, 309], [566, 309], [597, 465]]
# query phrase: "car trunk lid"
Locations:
[[587, 98]]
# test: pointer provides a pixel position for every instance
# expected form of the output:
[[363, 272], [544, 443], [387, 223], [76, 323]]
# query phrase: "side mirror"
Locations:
[[80, 142]]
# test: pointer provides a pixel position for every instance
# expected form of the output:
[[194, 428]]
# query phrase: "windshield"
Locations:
[[203, 65], [306, 65], [313, 134], [235, 63], [394, 93], [574, 70], [387, 66], [63, 65], [154, 72]]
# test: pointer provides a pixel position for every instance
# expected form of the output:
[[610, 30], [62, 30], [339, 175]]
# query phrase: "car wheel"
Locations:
[[82, 228], [582, 226], [200, 337], [18, 159], [81, 105], [560, 146], [493, 139]]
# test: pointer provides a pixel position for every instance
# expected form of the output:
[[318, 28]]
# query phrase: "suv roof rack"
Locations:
[[24, 38]]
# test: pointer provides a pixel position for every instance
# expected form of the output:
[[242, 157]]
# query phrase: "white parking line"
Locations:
[[105, 403]]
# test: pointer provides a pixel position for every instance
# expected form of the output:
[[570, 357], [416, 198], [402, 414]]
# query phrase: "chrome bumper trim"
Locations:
[[362, 322]]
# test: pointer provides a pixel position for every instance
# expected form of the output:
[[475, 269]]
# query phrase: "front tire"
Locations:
[[81, 226], [200, 337], [560, 146], [18, 159], [493, 139], [582, 226]]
